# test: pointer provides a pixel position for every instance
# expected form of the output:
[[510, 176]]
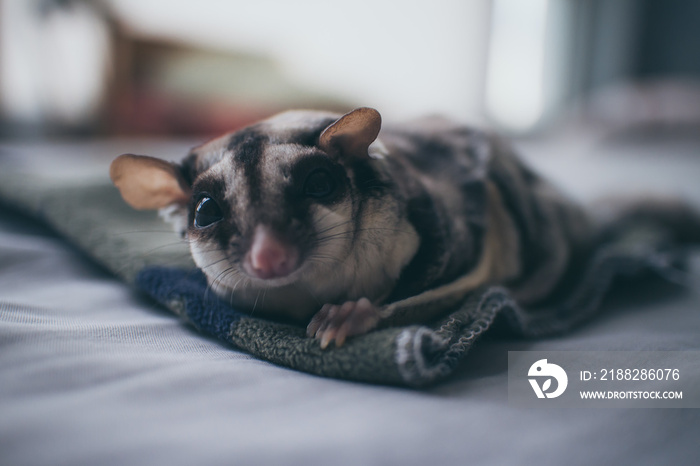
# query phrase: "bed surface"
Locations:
[[91, 372]]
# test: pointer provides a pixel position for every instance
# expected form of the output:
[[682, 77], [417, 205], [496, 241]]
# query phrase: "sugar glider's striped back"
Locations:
[[483, 216]]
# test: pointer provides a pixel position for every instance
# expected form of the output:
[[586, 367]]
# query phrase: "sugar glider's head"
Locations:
[[277, 203]]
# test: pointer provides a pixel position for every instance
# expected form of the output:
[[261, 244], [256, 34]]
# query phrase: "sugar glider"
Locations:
[[327, 221]]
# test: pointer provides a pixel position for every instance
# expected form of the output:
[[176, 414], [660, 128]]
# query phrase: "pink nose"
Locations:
[[269, 257]]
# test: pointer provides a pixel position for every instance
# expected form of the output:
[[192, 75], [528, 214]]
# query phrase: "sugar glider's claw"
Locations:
[[339, 321]]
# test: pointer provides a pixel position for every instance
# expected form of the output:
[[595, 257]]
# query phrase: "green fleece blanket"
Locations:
[[138, 247]]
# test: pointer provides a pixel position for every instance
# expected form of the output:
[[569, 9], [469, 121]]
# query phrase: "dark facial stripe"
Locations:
[[367, 180], [309, 137], [247, 146], [188, 168]]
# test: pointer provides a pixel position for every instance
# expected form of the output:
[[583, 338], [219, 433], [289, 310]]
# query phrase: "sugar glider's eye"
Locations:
[[207, 213], [319, 184]]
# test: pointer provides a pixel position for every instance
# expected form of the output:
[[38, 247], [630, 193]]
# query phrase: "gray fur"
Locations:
[[434, 211]]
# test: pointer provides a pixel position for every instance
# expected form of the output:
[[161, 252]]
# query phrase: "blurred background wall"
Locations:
[[177, 67]]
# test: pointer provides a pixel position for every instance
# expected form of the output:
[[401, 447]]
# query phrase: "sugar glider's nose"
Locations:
[[270, 256]]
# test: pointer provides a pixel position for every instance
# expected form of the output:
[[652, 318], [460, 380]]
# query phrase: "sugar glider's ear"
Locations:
[[148, 182], [352, 133]]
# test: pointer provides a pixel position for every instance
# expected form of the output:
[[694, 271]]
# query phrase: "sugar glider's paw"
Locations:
[[339, 321]]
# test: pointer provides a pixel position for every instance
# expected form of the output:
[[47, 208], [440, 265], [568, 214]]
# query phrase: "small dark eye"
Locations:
[[207, 213], [319, 184]]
